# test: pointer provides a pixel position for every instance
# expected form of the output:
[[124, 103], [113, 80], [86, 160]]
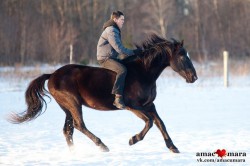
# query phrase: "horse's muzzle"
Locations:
[[191, 79], [194, 78]]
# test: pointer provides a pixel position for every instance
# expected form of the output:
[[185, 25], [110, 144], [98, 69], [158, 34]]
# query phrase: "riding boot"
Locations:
[[119, 102]]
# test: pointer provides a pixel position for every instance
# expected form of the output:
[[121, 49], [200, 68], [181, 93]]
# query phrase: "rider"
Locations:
[[108, 48]]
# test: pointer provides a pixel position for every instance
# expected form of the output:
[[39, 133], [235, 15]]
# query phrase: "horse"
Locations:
[[75, 85]]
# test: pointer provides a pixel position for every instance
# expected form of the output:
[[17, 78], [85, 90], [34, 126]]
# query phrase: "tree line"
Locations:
[[41, 31]]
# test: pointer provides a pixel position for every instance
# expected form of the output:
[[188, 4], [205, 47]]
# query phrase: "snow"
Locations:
[[200, 117]]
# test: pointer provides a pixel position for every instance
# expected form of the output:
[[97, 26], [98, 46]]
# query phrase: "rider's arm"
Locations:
[[115, 41]]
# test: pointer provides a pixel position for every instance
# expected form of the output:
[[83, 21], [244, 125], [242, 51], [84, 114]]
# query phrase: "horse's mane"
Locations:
[[152, 41], [152, 47]]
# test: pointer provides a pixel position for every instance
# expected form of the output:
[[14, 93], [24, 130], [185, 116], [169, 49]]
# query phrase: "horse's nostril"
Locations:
[[194, 78]]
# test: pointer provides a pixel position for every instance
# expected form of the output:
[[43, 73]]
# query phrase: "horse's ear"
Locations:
[[182, 43], [177, 46]]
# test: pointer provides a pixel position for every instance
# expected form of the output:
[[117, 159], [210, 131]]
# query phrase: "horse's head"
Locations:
[[160, 53], [181, 63]]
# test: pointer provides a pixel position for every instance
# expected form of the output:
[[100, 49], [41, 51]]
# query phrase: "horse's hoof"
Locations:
[[130, 142], [104, 148], [133, 140], [174, 150]]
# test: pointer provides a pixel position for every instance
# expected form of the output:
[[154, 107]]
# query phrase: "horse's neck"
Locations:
[[151, 73], [155, 71]]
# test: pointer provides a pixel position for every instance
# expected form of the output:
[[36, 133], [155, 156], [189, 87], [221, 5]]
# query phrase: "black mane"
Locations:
[[152, 47], [152, 41]]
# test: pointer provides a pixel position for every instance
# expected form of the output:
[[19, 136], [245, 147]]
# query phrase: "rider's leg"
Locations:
[[118, 87]]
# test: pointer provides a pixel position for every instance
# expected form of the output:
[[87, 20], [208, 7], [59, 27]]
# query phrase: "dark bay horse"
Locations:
[[75, 85]]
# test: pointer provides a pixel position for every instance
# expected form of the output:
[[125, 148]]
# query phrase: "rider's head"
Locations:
[[118, 18]]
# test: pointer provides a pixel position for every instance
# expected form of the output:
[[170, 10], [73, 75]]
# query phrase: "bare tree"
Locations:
[[158, 14], [42, 30]]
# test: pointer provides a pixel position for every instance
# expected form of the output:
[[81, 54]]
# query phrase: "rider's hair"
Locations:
[[116, 14]]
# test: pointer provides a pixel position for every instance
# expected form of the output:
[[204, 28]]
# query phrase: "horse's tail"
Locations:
[[34, 100]]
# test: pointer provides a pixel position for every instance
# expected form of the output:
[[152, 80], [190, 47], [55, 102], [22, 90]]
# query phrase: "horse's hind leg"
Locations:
[[76, 112], [79, 124], [73, 109], [68, 128]]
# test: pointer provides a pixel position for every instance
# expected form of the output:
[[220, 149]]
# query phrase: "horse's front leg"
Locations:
[[159, 123], [148, 124]]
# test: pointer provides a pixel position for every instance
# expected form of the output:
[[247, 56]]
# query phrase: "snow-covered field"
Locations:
[[200, 117]]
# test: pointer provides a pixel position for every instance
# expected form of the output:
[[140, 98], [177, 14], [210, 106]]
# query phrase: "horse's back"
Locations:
[[74, 72], [91, 86]]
